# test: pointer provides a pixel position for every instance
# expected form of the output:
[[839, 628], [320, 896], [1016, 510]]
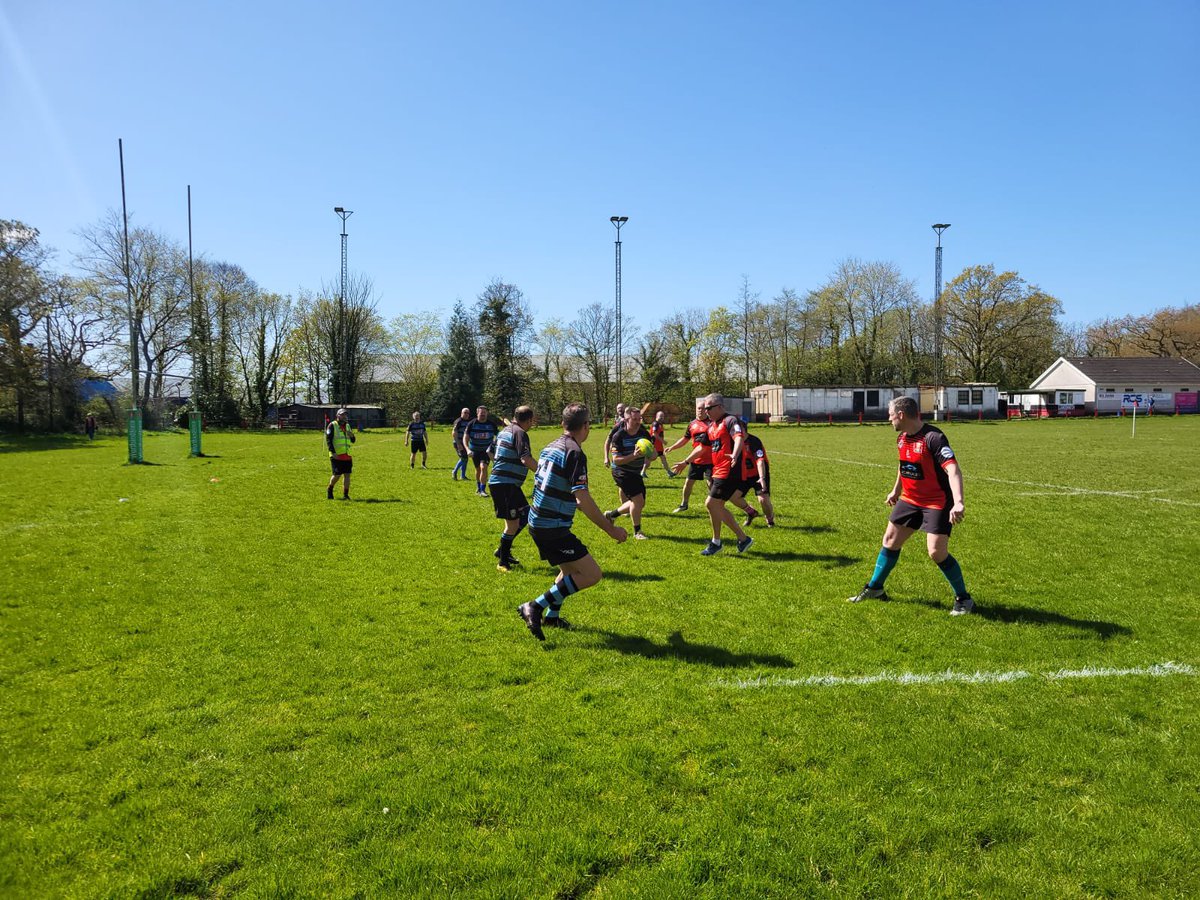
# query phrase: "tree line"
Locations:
[[206, 330]]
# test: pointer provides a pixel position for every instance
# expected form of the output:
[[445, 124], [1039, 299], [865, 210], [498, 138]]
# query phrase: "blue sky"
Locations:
[[482, 140]]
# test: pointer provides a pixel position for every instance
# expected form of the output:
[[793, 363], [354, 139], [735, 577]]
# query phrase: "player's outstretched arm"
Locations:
[[679, 466], [588, 507]]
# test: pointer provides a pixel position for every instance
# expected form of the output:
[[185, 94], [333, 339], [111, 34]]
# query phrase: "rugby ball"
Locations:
[[646, 448]]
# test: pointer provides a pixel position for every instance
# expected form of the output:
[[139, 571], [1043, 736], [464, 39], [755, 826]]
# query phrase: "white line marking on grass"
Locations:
[[1159, 670], [1054, 490]]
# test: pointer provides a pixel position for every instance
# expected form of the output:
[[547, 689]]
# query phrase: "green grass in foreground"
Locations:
[[215, 682]]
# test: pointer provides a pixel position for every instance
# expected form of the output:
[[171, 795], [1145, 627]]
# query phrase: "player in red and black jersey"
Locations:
[[701, 463], [725, 438], [656, 429], [756, 476], [927, 496]]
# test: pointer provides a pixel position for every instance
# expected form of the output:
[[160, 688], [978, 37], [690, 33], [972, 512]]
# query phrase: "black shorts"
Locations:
[[480, 457], [931, 521], [558, 545], [724, 488], [341, 466], [509, 501], [418, 446], [697, 471], [631, 483], [760, 486], [458, 448]]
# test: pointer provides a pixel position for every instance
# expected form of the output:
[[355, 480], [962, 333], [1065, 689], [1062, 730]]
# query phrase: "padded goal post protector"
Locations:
[[135, 436], [194, 425]]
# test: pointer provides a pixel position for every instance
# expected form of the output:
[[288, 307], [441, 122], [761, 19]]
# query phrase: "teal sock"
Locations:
[[553, 598], [953, 572], [884, 563]]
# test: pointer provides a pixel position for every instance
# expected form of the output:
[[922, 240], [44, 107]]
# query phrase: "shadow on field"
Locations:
[[807, 529], [677, 647], [625, 576], [377, 500], [831, 560], [1028, 615], [13, 443]]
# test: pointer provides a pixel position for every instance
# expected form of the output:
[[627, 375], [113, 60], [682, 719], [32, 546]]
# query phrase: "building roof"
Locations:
[[1140, 369]]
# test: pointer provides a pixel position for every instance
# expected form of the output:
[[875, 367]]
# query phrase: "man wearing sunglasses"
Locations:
[[726, 438]]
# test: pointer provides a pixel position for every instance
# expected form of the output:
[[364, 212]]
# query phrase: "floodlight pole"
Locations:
[[340, 355], [938, 370], [133, 348], [618, 221]]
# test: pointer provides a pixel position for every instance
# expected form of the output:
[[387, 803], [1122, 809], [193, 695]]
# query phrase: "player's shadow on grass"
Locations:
[[677, 647], [626, 576], [1029, 615], [830, 560], [377, 500], [807, 529]]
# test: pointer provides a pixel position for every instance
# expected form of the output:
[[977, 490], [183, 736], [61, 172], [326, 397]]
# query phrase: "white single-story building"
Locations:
[[779, 403], [1111, 384]]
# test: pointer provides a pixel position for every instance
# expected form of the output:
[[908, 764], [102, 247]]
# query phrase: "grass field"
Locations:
[[216, 683]]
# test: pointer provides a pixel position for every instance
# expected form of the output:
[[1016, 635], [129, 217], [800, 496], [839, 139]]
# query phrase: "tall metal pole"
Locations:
[[198, 398], [339, 360], [618, 221], [939, 371], [133, 348]]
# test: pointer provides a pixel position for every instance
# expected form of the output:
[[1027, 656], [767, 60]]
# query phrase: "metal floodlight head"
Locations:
[[940, 228], [338, 209], [618, 220]]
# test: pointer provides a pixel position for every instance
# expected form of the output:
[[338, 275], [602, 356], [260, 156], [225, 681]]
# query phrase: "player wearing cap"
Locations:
[[339, 435]]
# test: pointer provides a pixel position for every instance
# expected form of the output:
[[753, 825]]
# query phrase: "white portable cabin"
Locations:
[[779, 403]]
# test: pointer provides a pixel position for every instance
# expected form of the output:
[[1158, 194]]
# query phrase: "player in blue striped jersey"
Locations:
[[560, 486], [415, 438], [477, 440], [513, 461]]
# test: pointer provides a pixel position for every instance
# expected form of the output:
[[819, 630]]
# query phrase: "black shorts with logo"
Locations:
[[724, 488], [696, 472], [558, 545], [931, 521], [509, 501], [341, 466], [760, 486], [631, 483], [418, 446], [480, 457]]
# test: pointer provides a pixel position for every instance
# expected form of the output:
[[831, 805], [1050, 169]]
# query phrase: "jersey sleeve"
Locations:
[[523, 449], [939, 448], [575, 470]]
